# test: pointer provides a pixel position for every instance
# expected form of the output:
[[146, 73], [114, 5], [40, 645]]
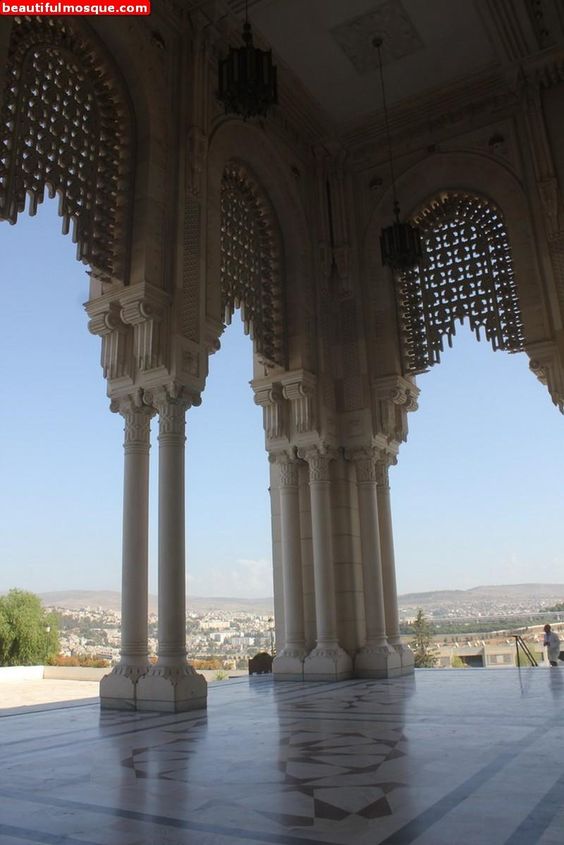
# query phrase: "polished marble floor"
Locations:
[[468, 757]]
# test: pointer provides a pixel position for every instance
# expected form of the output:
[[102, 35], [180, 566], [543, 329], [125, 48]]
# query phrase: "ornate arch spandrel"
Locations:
[[66, 128], [472, 173], [269, 165], [250, 264], [466, 273]]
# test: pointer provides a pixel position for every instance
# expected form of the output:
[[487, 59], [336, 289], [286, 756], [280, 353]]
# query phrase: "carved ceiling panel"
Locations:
[[388, 21]]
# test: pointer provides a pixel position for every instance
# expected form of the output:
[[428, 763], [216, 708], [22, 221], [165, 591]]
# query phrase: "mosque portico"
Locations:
[[186, 211]]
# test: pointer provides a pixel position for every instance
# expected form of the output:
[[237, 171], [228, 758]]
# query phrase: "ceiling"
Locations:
[[327, 44]]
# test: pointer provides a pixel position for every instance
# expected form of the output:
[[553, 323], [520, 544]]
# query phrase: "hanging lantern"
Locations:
[[400, 244], [247, 79]]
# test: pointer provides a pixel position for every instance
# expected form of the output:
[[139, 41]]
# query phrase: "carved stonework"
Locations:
[[289, 471], [171, 402], [365, 464], [466, 273], [269, 398], [65, 127], [394, 398], [196, 160], [318, 460], [116, 357], [146, 309], [250, 265], [546, 363], [390, 22], [299, 390], [382, 473], [557, 255], [137, 416]]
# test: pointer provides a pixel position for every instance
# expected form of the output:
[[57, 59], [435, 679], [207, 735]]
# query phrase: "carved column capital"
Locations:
[[288, 468], [137, 417], [318, 459], [172, 401], [383, 463], [365, 464]]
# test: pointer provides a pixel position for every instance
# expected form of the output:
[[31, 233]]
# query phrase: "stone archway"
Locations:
[[66, 128], [466, 273], [471, 174], [251, 277]]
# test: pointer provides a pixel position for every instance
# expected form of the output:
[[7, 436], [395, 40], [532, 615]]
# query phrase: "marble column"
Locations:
[[289, 662], [118, 689], [376, 659], [389, 564], [328, 661], [172, 685]]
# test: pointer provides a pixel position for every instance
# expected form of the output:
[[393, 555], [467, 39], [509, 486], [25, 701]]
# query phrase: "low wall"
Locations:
[[21, 673], [73, 673]]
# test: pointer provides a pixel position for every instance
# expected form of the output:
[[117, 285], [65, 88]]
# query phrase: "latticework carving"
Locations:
[[65, 128], [466, 274], [250, 264]]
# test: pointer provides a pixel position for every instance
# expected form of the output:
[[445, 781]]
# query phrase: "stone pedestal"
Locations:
[[406, 658], [288, 665], [118, 689], [169, 689], [377, 662], [330, 663]]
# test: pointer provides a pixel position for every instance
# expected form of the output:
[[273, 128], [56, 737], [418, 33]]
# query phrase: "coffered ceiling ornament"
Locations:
[[65, 128], [466, 273], [390, 22], [250, 264]]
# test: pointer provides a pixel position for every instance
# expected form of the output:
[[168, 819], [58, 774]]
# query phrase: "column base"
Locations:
[[118, 690], [406, 657], [288, 665], [328, 664], [377, 662], [171, 689]]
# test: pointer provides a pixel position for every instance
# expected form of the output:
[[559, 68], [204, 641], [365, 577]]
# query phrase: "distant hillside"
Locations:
[[111, 600], [501, 592], [514, 593]]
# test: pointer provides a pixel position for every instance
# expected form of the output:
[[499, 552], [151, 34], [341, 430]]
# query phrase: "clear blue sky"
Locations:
[[478, 493]]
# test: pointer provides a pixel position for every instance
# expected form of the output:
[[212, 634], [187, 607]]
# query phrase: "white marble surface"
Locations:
[[446, 757]]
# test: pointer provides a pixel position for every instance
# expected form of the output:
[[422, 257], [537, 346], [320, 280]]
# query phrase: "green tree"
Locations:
[[421, 644], [457, 662], [28, 634]]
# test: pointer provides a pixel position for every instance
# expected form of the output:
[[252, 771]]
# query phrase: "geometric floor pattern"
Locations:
[[472, 756]]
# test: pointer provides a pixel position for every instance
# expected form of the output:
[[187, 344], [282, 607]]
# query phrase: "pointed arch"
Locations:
[[250, 264], [466, 274], [487, 177], [275, 195], [66, 128]]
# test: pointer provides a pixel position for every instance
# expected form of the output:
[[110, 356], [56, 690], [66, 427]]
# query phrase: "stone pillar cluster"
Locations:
[[381, 654], [171, 684]]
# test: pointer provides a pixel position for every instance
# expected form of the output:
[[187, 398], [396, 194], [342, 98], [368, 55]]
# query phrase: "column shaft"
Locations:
[[324, 575], [388, 557], [371, 556], [172, 565], [135, 554], [328, 661], [291, 557]]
